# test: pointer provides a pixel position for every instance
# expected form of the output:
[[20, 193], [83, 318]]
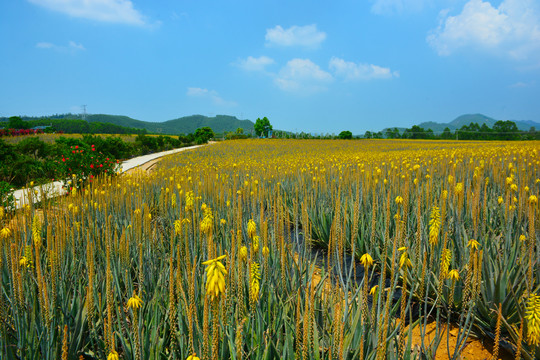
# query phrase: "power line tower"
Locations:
[[83, 115]]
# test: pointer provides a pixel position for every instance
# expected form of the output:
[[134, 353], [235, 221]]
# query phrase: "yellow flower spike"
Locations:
[[134, 302], [366, 260], [532, 317], [399, 200], [453, 274], [251, 228], [404, 261], [243, 253], [5, 233], [177, 227], [473, 244], [113, 355], [522, 238], [193, 357], [24, 262], [513, 187], [500, 200], [533, 200], [208, 262], [223, 221], [265, 251], [215, 277], [373, 290], [434, 225], [256, 243], [255, 276]]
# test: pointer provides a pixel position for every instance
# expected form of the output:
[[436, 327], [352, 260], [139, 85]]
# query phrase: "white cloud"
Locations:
[[302, 75], [45, 45], [72, 46], [209, 94], [351, 71], [521, 84], [113, 11], [390, 7], [255, 64], [512, 28], [306, 36]]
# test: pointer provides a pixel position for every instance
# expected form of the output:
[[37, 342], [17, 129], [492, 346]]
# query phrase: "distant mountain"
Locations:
[[480, 119], [184, 125]]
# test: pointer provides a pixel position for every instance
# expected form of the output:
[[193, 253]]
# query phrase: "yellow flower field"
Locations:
[[268, 249]]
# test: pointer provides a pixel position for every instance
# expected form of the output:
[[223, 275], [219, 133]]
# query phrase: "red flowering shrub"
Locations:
[[78, 164]]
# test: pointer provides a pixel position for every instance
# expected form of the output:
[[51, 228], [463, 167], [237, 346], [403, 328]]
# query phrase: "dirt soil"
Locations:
[[476, 349]]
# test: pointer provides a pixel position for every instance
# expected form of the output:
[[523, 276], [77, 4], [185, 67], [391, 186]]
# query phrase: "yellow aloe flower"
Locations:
[[454, 275], [366, 260], [533, 200], [522, 238], [256, 243], [243, 253], [532, 316], [24, 262], [254, 281], [5, 233], [434, 225], [399, 200], [473, 244], [404, 261], [265, 251], [500, 200], [215, 277], [193, 357], [373, 290], [134, 302], [251, 228], [177, 227], [113, 355]]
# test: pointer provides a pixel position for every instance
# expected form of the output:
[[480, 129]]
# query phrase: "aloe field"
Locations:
[[284, 249]]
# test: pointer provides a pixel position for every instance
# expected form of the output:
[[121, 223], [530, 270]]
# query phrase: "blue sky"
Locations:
[[315, 66]]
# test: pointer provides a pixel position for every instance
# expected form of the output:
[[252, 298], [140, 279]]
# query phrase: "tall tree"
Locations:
[[262, 126]]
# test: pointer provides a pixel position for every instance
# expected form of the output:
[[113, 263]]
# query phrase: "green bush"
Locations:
[[7, 200]]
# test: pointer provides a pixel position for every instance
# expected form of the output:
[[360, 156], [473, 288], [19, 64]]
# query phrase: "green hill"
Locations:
[[480, 119], [184, 125]]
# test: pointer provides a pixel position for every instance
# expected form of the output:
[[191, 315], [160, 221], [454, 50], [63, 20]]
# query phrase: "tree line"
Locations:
[[502, 130], [70, 126]]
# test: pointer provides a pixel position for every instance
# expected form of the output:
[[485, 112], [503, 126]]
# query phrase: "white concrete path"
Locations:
[[55, 188]]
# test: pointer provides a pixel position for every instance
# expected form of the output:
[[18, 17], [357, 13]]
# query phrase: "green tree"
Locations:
[[506, 130], [34, 147], [15, 122], [202, 135], [239, 131], [346, 134], [446, 134], [262, 126]]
